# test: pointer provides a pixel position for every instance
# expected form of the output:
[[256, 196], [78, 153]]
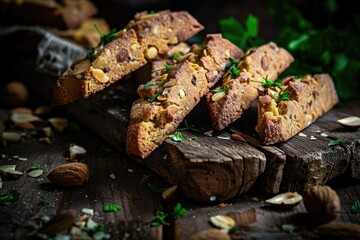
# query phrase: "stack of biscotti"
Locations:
[[241, 85], [286, 109], [168, 98], [142, 40], [61, 14]]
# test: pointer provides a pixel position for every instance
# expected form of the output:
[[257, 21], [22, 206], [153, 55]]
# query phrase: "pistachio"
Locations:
[[81, 67], [223, 222], [170, 193], [35, 173], [151, 52], [76, 152], [182, 93], [286, 200], [59, 124], [217, 96], [352, 123], [99, 75], [174, 40], [10, 137], [170, 83]]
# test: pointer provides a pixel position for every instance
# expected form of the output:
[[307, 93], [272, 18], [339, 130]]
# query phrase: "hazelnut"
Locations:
[[15, 94], [322, 203]]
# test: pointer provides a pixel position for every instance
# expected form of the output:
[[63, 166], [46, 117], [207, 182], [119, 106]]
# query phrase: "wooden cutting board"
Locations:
[[218, 168]]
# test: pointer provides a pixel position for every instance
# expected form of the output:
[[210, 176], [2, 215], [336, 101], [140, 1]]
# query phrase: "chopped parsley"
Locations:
[[161, 217], [188, 127], [8, 198], [147, 85], [234, 71], [44, 202], [153, 98], [177, 137], [224, 90], [111, 208], [284, 96], [335, 142]]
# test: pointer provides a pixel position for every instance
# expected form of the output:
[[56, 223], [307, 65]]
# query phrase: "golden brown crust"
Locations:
[[144, 41], [169, 97], [310, 97], [265, 61]]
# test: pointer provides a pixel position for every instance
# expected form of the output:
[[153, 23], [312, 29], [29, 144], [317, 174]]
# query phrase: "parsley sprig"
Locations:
[[8, 198], [104, 39], [161, 217], [177, 137], [111, 208], [335, 142], [147, 85], [356, 207], [167, 68], [224, 90], [268, 83], [188, 127]]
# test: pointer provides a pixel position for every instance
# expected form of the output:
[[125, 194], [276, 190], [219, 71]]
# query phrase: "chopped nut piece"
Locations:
[[81, 67], [23, 118], [45, 140], [10, 137], [35, 173], [76, 152], [285, 200], [99, 75], [170, 193], [59, 124], [223, 222], [151, 53], [217, 96], [352, 123], [47, 131]]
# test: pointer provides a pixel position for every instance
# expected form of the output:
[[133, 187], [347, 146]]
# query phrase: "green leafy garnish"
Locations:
[[111, 208], [244, 37], [224, 90], [268, 83], [177, 137], [188, 127], [284, 96], [44, 202], [159, 219], [8, 198], [106, 38], [356, 207], [176, 55], [153, 98], [178, 211], [147, 85], [335, 142], [168, 67], [155, 189], [35, 167], [233, 62], [234, 71]]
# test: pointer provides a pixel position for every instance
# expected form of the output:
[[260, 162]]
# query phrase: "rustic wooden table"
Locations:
[[116, 179]]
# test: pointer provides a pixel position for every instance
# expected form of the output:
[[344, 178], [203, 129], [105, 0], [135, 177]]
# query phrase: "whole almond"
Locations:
[[73, 174], [339, 230]]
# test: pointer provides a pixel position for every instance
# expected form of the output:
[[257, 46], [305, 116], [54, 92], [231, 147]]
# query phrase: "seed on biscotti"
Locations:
[[99, 75]]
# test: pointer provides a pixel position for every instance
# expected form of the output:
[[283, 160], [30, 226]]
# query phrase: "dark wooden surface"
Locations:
[[138, 202]]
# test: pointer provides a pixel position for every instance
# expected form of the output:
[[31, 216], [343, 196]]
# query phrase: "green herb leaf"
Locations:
[[159, 219], [252, 26], [155, 189], [147, 85], [178, 211], [284, 96], [188, 127], [168, 67], [44, 202], [106, 38], [233, 60], [356, 207], [225, 90], [111, 208], [6, 199], [335, 142], [153, 98], [234, 71], [35, 167], [177, 137]]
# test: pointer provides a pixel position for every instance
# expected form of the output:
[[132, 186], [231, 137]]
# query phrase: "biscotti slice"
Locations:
[[286, 110], [129, 49], [168, 98], [239, 87]]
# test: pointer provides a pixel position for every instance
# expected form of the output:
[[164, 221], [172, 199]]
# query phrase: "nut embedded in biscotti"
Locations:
[[81, 67], [322, 203], [99, 75], [286, 200], [15, 94], [151, 53], [73, 174]]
